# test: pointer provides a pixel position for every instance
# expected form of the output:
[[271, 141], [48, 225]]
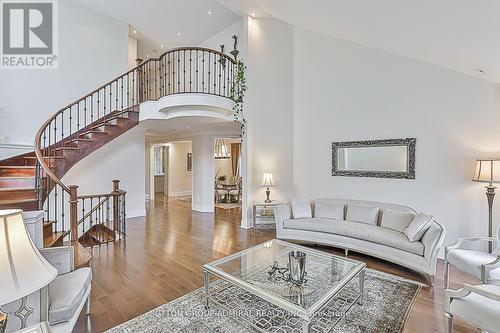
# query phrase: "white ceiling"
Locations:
[[159, 21], [185, 126], [462, 35]]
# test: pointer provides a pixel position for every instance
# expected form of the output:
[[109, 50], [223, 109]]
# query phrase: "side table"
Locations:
[[263, 214]]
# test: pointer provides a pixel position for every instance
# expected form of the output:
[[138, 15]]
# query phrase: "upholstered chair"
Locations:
[[477, 305], [481, 264], [69, 292], [237, 191], [220, 192]]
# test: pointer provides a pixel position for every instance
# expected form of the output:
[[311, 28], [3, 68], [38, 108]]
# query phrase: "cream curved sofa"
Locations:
[[372, 240]]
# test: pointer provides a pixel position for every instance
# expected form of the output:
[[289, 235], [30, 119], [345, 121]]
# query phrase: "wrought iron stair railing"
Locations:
[[88, 123]]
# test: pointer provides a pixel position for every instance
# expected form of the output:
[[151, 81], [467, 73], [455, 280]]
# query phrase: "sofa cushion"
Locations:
[[417, 228], [395, 220], [312, 224], [362, 231], [66, 294], [327, 211], [301, 208], [384, 236], [362, 214]]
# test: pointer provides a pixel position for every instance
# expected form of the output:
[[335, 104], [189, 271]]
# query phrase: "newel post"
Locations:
[[116, 204], [73, 211]]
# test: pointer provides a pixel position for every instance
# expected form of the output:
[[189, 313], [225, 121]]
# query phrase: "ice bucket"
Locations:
[[297, 266]]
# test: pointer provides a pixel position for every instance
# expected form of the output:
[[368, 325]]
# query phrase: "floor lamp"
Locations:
[[488, 171]]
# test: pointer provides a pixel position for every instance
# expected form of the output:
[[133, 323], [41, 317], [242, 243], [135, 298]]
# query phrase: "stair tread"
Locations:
[[48, 222], [51, 239], [17, 189], [17, 167], [45, 157], [68, 148], [17, 177], [13, 201]]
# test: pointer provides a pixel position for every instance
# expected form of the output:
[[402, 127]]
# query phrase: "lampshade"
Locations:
[[487, 171], [23, 270], [267, 180]]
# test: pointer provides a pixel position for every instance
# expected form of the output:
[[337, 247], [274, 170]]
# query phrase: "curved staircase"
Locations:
[[32, 181]]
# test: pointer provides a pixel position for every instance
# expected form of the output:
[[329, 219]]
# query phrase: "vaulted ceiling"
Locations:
[[170, 23], [462, 35]]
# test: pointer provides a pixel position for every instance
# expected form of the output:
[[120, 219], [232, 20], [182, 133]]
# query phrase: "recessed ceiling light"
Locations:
[[479, 70], [179, 34], [253, 14], [135, 31], [187, 127], [162, 46], [209, 12], [147, 55]]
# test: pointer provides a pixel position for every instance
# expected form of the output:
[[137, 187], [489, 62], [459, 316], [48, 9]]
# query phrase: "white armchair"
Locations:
[[69, 292], [481, 264], [477, 305]]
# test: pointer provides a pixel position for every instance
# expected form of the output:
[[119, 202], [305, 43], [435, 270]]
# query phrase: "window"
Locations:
[[158, 161]]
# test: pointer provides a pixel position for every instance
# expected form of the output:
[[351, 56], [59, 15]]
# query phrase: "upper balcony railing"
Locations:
[[177, 71]]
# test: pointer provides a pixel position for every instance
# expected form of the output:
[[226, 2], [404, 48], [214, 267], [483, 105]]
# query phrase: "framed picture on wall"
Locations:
[[189, 161]]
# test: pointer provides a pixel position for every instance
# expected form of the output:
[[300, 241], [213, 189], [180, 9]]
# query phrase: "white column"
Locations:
[[203, 173]]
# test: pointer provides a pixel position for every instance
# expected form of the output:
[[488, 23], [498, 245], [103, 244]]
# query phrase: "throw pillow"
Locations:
[[362, 214], [417, 228], [301, 208], [395, 220], [328, 211]]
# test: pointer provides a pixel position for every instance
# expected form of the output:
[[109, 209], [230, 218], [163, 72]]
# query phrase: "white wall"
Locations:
[[343, 91], [132, 52], [226, 37], [203, 173], [179, 179], [269, 106], [123, 159], [92, 50]]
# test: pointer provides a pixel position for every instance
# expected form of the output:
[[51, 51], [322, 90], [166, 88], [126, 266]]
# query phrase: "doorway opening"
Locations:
[[227, 178], [171, 170]]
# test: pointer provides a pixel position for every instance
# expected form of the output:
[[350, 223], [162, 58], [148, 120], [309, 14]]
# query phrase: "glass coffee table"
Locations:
[[327, 275]]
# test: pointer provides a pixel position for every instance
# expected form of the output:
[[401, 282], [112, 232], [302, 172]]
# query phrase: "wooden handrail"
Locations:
[[187, 70], [39, 133]]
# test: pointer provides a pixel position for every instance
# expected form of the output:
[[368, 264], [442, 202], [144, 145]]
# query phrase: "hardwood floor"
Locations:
[[161, 259]]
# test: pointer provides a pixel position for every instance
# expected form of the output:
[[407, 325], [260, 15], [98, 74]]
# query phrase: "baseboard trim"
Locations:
[[136, 213]]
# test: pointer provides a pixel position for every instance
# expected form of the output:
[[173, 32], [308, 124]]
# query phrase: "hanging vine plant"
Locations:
[[238, 92]]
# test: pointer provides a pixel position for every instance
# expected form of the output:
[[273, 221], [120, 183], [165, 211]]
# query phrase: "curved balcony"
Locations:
[[90, 122]]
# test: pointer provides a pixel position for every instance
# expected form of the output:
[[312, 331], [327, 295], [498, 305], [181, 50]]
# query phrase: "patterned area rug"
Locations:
[[227, 205], [388, 302]]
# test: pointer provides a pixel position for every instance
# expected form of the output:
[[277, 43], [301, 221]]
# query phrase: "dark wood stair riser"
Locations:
[[17, 172], [17, 182], [24, 205], [15, 194]]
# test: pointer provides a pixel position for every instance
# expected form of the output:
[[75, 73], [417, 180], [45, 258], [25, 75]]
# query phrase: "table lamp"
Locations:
[[23, 270], [488, 171], [267, 181]]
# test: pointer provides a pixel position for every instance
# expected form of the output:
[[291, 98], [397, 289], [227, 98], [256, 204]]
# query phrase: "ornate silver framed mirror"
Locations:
[[391, 158]]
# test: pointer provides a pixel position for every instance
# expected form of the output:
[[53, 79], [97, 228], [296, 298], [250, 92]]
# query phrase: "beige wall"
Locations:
[[179, 179]]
